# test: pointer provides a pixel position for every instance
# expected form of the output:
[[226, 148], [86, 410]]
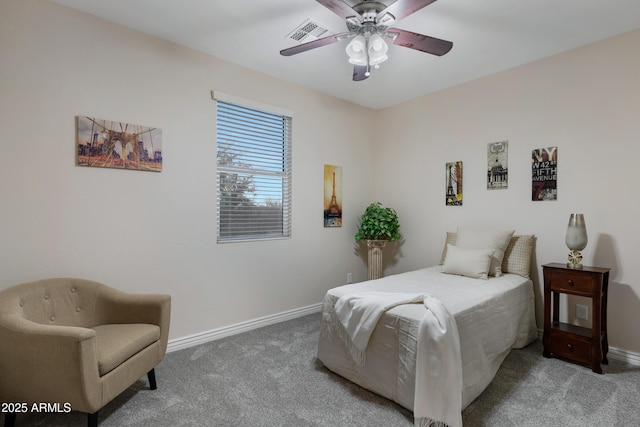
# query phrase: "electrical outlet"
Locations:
[[582, 312], [349, 278]]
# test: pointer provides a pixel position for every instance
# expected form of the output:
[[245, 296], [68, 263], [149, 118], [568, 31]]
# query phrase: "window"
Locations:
[[254, 171]]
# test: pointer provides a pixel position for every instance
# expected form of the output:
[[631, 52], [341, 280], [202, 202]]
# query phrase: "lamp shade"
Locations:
[[356, 49], [377, 50]]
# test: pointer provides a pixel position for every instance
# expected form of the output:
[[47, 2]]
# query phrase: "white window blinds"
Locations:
[[253, 173]]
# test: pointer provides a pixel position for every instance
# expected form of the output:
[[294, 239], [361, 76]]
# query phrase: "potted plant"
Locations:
[[378, 225]]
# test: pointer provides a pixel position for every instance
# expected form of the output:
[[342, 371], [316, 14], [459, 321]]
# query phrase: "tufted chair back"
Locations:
[[64, 301]]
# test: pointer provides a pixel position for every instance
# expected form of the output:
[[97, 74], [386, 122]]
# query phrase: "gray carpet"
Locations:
[[270, 377]]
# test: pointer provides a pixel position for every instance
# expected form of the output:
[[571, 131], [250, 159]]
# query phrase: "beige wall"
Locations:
[[156, 232], [586, 102], [150, 232]]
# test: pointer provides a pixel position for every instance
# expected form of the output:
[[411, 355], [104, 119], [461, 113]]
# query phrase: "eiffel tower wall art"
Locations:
[[332, 196], [453, 184]]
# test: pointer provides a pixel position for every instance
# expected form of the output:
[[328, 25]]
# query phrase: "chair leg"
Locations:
[[151, 375], [9, 419], [92, 419]]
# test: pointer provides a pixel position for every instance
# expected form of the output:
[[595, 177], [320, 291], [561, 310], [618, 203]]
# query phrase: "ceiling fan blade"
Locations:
[[313, 44], [359, 73], [420, 42], [340, 8], [401, 8]]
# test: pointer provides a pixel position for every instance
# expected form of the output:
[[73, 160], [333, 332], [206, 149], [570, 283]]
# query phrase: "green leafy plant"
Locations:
[[378, 223]]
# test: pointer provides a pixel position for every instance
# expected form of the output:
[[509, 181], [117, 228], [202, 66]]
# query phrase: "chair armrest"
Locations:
[[116, 306], [37, 360]]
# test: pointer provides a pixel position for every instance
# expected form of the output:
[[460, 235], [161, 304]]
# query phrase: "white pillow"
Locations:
[[482, 238], [467, 262]]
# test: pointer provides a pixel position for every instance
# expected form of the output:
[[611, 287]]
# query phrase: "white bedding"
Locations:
[[493, 316]]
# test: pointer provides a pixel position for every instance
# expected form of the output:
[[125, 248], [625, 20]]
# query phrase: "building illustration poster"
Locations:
[[497, 165], [454, 184], [544, 174], [332, 196], [110, 144]]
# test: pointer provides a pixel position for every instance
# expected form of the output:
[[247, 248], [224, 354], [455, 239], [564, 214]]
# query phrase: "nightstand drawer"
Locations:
[[571, 347], [572, 282]]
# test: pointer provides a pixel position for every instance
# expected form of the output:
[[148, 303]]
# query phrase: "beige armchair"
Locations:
[[77, 343]]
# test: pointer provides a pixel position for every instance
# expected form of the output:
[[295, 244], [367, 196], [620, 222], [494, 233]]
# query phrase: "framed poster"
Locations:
[[544, 174], [332, 196], [497, 165], [110, 144], [454, 184]]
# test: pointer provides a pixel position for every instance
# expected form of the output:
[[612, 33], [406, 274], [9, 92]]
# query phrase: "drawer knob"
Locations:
[[570, 346], [570, 282]]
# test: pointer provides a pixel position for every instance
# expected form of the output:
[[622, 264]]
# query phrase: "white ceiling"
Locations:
[[488, 36]]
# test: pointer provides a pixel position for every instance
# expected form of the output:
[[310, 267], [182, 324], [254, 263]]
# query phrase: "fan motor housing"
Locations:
[[368, 8]]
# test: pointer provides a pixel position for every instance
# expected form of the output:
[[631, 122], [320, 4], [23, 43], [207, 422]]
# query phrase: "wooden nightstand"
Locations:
[[583, 345]]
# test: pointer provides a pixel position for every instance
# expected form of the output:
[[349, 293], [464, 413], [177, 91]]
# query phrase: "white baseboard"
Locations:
[[624, 355], [615, 353], [203, 337]]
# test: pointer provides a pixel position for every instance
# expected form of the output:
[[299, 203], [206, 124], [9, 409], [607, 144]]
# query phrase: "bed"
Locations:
[[492, 314]]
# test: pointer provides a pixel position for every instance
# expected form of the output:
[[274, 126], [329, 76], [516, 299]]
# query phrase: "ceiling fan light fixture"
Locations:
[[377, 50], [357, 50]]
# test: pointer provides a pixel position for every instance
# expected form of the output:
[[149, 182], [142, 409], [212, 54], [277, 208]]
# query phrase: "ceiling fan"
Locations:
[[368, 23]]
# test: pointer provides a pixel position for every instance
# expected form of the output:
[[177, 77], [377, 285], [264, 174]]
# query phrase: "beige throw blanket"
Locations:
[[438, 393], [359, 315], [438, 389]]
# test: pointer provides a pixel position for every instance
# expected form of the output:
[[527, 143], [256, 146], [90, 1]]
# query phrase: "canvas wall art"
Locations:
[[454, 184], [544, 174], [110, 144], [332, 196], [497, 165]]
